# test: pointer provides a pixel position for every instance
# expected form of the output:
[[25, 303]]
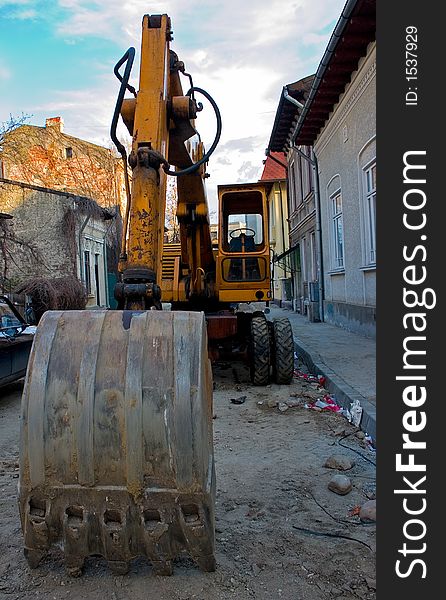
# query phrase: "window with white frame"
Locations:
[[337, 230], [370, 212]]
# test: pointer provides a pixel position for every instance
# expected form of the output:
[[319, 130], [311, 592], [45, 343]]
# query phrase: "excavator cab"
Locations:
[[243, 272]]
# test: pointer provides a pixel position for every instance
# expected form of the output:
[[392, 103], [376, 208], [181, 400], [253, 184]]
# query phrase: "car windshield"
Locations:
[[10, 326]]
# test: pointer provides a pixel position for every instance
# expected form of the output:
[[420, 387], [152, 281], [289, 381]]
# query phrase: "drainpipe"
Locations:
[[291, 99], [320, 267]]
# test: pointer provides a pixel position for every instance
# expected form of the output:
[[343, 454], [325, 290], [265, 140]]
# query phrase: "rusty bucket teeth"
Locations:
[[116, 453]]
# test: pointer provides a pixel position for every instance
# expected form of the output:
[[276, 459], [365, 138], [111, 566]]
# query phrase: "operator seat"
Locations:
[[237, 244]]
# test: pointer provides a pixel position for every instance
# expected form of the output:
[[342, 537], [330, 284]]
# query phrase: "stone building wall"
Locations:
[[33, 241], [54, 234]]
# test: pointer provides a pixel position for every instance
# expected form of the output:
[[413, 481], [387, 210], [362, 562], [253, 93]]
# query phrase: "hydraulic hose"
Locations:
[[128, 58], [206, 156]]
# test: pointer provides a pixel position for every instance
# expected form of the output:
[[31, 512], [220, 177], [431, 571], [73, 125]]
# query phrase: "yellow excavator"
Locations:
[[116, 451]]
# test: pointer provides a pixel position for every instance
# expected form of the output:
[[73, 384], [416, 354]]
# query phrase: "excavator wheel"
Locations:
[[283, 351], [116, 453], [259, 351]]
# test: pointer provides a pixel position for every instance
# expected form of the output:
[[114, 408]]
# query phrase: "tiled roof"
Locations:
[[355, 30], [272, 170], [286, 112]]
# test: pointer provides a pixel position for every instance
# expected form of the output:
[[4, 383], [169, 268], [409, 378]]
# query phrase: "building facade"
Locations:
[[329, 136], [299, 258], [346, 151], [54, 234]]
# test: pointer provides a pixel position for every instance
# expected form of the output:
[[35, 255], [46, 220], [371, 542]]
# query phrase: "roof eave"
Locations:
[[332, 75]]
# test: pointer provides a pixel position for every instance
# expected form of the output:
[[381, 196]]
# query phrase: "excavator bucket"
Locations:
[[116, 451]]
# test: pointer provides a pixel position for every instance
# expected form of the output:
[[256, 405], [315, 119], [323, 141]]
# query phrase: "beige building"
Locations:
[[274, 177]]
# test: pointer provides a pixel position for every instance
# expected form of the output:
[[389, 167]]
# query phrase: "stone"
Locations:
[[311, 394], [293, 402], [360, 435], [283, 407], [371, 583], [340, 484], [367, 512], [369, 490], [339, 462], [272, 403], [340, 431]]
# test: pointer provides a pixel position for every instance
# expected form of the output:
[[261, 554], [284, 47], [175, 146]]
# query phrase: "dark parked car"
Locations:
[[16, 339]]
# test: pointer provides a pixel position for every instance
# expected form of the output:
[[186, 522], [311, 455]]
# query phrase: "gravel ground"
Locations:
[[281, 533]]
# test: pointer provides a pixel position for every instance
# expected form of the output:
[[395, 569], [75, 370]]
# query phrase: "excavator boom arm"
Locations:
[[162, 121]]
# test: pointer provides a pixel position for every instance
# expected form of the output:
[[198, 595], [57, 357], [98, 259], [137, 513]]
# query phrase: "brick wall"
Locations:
[[45, 156]]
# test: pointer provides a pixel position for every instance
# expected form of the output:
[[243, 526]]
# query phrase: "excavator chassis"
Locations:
[[267, 346], [116, 439]]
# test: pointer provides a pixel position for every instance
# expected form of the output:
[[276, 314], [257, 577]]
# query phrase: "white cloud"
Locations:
[[83, 115], [242, 53]]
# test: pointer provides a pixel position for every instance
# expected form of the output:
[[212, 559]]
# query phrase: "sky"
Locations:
[[57, 59]]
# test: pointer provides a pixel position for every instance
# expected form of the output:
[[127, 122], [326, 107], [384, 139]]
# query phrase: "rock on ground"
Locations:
[[339, 462], [367, 513], [340, 484]]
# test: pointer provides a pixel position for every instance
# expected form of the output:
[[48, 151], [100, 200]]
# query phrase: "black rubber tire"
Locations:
[[260, 351], [283, 351]]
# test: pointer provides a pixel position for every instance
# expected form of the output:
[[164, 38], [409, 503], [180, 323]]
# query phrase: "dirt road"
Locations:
[[281, 534]]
